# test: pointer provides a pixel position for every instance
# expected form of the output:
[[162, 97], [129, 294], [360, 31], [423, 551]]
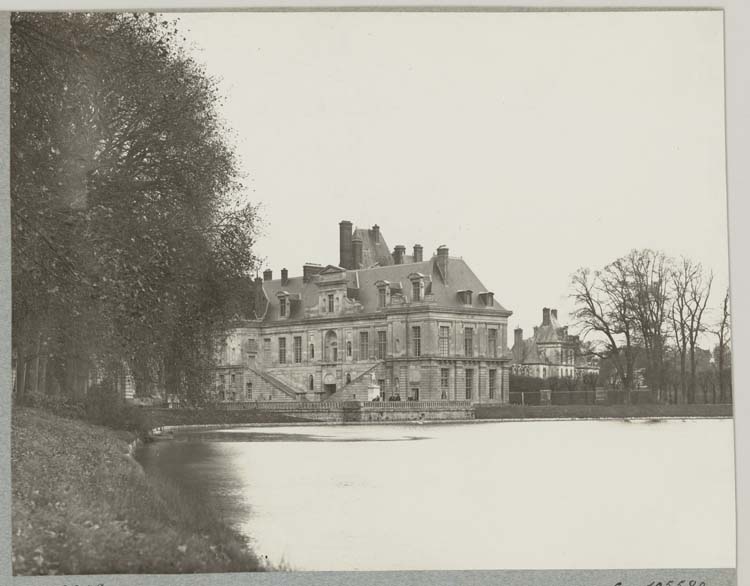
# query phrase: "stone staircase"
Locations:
[[358, 383], [276, 383]]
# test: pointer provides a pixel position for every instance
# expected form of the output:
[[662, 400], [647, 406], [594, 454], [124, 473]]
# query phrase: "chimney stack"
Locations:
[[554, 314], [376, 233], [398, 254], [518, 337], [259, 305], [267, 275], [418, 253], [308, 270], [284, 277], [345, 244], [545, 316], [357, 252], [442, 261]]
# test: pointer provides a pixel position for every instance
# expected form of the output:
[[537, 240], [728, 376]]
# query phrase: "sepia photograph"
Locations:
[[304, 291]]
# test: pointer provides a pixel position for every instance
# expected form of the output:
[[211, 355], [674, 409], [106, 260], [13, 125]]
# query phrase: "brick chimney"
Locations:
[[545, 316], [284, 277], [376, 233], [442, 261], [345, 244], [357, 252], [398, 254], [553, 312], [418, 253], [267, 275], [518, 337]]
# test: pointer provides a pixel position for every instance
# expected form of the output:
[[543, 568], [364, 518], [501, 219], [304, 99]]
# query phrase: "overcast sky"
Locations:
[[529, 143]]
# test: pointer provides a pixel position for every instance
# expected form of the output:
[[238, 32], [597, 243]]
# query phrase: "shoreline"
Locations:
[[83, 504], [160, 431]]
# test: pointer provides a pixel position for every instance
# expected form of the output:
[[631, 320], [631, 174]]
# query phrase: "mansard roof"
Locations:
[[363, 281]]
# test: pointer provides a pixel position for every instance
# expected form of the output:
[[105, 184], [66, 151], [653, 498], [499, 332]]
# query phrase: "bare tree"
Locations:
[[691, 288], [723, 333], [649, 272], [603, 308]]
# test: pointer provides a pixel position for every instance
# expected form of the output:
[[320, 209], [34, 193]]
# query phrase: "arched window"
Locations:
[[312, 351], [248, 390], [348, 378], [311, 382], [349, 349], [331, 348]]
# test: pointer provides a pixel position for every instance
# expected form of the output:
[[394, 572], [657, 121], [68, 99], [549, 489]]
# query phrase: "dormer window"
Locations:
[[465, 296], [487, 298], [417, 286], [285, 304], [384, 290]]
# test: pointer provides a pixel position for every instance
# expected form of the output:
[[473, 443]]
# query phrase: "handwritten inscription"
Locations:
[[685, 582]]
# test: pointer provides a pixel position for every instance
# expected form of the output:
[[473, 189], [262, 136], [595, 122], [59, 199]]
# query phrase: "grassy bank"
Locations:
[[594, 411], [81, 505]]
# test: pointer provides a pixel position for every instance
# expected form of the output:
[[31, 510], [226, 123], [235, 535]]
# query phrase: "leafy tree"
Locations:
[[129, 230]]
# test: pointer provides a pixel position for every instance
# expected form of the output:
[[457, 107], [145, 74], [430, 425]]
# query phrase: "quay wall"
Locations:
[[361, 411]]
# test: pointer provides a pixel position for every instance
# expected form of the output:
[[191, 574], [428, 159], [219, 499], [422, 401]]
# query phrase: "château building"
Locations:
[[551, 351], [377, 325]]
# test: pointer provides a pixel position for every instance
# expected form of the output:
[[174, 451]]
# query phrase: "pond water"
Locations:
[[552, 494]]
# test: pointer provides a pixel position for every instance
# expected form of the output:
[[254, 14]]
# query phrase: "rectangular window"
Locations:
[[364, 345], [381, 297], [444, 340], [234, 378], [252, 346], [282, 350], [492, 343], [330, 304], [492, 382], [381, 384], [223, 380], [416, 290], [469, 382], [297, 349], [282, 307], [416, 340], [468, 342], [382, 345], [267, 349], [444, 382]]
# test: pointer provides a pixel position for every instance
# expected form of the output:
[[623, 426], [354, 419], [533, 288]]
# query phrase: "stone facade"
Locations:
[[376, 325], [551, 351]]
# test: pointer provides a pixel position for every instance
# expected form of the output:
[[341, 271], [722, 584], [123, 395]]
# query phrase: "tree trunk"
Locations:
[[20, 373], [43, 375], [692, 374], [35, 380]]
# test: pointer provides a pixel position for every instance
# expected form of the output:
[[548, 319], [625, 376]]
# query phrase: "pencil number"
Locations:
[[674, 583]]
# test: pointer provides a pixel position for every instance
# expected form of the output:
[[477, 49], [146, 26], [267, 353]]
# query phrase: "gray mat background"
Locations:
[[737, 65]]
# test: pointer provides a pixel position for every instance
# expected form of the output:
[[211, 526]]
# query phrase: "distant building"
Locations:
[[377, 324], [551, 351]]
